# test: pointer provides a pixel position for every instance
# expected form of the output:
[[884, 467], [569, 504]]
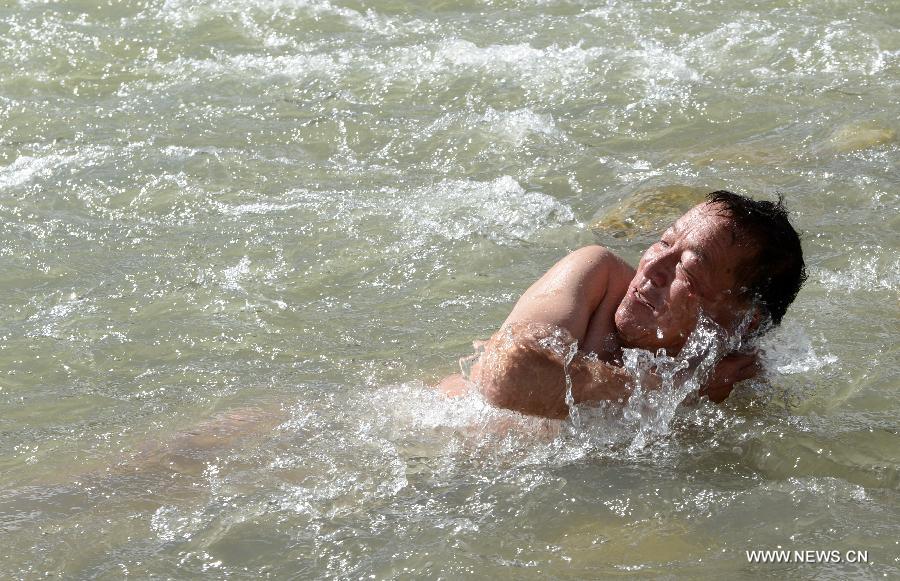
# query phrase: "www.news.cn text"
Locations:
[[807, 556]]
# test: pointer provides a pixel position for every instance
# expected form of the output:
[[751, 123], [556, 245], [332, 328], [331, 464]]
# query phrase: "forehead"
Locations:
[[706, 224], [708, 235]]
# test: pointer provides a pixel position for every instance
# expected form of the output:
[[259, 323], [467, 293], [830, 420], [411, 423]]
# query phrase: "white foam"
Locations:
[[470, 300], [663, 63], [500, 210], [836, 48], [552, 66], [762, 47], [725, 48], [298, 65], [788, 350], [512, 127], [238, 210], [233, 276], [186, 14], [48, 320], [660, 79], [517, 125], [25, 169], [875, 272]]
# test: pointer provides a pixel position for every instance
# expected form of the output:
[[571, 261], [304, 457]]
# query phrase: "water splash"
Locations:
[[789, 350], [650, 409], [660, 384], [570, 399], [561, 345]]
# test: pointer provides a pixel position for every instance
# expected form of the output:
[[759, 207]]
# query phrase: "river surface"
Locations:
[[240, 239]]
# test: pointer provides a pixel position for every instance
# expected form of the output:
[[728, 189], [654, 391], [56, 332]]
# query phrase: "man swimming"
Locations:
[[734, 260]]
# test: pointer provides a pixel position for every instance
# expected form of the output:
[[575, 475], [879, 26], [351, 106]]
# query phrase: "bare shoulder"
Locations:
[[594, 253], [602, 260], [568, 294], [593, 258], [600, 336]]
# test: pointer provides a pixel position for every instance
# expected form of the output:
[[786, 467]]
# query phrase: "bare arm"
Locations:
[[524, 369], [524, 365], [573, 293]]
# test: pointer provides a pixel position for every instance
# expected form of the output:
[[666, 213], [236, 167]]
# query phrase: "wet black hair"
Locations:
[[774, 278]]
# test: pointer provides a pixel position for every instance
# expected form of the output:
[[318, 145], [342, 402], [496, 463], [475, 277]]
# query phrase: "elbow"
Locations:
[[520, 374]]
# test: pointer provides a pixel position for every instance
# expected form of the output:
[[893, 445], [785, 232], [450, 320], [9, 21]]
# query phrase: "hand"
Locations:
[[730, 370]]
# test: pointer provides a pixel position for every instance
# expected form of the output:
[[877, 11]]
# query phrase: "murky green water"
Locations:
[[238, 239]]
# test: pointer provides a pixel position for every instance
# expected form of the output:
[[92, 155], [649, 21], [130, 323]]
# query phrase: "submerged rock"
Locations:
[[648, 211], [860, 136]]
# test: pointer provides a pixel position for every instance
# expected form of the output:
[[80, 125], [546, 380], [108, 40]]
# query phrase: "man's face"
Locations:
[[692, 268]]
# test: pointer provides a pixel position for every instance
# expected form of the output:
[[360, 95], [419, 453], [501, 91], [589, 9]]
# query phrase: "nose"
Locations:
[[659, 268]]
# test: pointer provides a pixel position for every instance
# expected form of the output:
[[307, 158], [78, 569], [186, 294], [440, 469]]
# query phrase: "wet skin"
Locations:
[[693, 267], [593, 297]]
